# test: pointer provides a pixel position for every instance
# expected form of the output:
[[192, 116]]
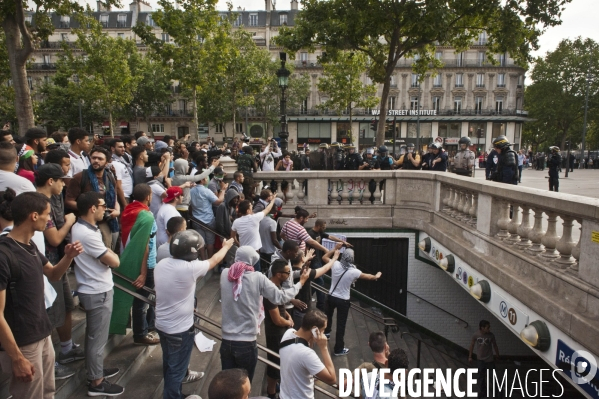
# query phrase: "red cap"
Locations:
[[172, 193]]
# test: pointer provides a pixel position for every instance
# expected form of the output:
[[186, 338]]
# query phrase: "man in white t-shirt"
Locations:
[[175, 284], [299, 362], [268, 237], [122, 169], [173, 226], [80, 144], [270, 151], [246, 229], [343, 275], [94, 284], [168, 210], [8, 178]]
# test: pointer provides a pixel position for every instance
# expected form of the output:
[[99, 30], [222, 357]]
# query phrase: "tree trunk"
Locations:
[[380, 131], [234, 102], [19, 49], [110, 123], [195, 111]]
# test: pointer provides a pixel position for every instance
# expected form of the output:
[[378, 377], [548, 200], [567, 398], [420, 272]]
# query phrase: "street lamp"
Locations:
[[418, 121], [283, 75], [568, 158], [586, 107], [76, 79]]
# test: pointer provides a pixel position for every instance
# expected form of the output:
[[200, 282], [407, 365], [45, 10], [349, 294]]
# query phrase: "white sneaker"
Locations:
[[192, 376]]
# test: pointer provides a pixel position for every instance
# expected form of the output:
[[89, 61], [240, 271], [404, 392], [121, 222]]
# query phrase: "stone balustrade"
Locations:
[[541, 247]]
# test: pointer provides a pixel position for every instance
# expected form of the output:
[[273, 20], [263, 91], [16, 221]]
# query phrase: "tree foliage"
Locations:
[[556, 98], [341, 81], [387, 30], [7, 93]]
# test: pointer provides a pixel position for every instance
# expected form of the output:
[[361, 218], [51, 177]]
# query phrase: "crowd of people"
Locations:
[[95, 205]]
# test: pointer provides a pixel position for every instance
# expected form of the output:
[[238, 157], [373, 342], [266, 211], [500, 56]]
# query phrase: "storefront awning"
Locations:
[[106, 125], [124, 125], [438, 118]]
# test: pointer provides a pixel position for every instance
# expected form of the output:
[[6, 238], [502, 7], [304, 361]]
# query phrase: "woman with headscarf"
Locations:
[[343, 274], [27, 162], [242, 291]]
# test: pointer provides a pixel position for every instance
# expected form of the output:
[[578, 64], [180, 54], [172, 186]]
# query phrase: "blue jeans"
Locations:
[[176, 352], [239, 355], [143, 315]]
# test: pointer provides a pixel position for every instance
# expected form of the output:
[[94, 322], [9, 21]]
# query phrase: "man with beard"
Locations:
[[101, 180], [36, 139]]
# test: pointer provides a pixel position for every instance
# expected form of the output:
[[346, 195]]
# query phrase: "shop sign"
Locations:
[[406, 112]]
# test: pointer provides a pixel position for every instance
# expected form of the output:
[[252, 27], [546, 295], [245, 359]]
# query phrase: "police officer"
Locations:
[[410, 160], [554, 162], [428, 157], [370, 163], [353, 160], [338, 156], [438, 160], [463, 162], [385, 159], [325, 161], [507, 164]]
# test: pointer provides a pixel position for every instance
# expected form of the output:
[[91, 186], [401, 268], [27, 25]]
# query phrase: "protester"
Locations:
[[230, 384], [24, 324], [8, 178], [168, 210], [27, 162], [268, 237], [80, 144], [246, 228], [299, 363], [123, 170], [202, 201], [483, 343], [247, 165], [226, 213], [383, 388], [175, 287], [95, 288], [241, 290], [237, 183], [343, 275], [36, 138], [174, 225], [181, 177], [294, 230]]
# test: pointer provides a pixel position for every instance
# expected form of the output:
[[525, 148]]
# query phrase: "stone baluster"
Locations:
[[551, 238], [566, 244], [377, 192], [291, 189], [525, 229], [449, 200], [446, 190], [301, 194], [358, 191], [576, 250], [513, 225], [347, 184], [456, 203], [465, 209], [474, 210], [337, 190], [504, 220], [536, 235]]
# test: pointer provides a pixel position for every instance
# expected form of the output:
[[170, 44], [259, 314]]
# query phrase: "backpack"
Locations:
[[246, 164]]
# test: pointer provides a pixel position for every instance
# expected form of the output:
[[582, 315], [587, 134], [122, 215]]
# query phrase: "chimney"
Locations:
[[294, 5], [102, 6]]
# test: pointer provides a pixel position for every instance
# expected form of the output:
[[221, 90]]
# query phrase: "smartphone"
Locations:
[[315, 332]]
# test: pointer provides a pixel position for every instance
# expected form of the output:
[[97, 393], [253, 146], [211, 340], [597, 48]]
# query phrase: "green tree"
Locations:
[[193, 26], [22, 39], [7, 93], [341, 81], [388, 30], [556, 98], [103, 71]]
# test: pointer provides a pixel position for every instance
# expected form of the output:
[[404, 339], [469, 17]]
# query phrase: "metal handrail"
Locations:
[[214, 334], [449, 313], [431, 346], [388, 322]]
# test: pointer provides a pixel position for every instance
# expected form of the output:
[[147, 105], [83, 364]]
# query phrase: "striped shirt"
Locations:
[[295, 232]]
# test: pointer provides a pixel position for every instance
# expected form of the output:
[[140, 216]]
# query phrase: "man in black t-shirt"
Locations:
[[28, 353], [318, 234], [305, 293]]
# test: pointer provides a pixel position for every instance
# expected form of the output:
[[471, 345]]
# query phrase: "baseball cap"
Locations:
[[159, 145], [219, 172], [50, 171], [172, 193], [143, 140]]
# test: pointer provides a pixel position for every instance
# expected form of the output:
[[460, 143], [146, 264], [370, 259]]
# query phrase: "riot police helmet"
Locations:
[[501, 142], [436, 146], [185, 245], [383, 149], [465, 140], [335, 144], [323, 145], [349, 146], [410, 145], [554, 148]]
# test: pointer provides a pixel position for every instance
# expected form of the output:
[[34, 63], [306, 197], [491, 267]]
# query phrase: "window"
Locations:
[[426, 129], [237, 22], [392, 82], [183, 107], [517, 133], [239, 127], [459, 80], [437, 103], [499, 105], [478, 105], [439, 55], [481, 58], [457, 105], [316, 130], [46, 59], [501, 80], [28, 18], [304, 57], [157, 127], [47, 79], [64, 37], [166, 38], [480, 80], [415, 80], [482, 38], [121, 21], [437, 82], [502, 60], [30, 82], [121, 35], [304, 106], [450, 129], [498, 129], [9, 83], [150, 21], [477, 130], [104, 20], [459, 59], [218, 128], [253, 19], [413, 102], [391, 103], [168, 109], [282, 19], [65, 21], [520, 81]]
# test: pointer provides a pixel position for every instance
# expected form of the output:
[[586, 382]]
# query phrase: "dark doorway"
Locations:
[[390, 257]]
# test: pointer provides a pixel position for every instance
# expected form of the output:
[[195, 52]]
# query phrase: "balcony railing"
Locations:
[[480, 85], [41, 66], [307, 64], [500, 84], [121, 24], [459, 85]]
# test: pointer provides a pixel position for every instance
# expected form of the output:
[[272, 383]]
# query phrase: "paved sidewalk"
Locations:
[[580, 182]]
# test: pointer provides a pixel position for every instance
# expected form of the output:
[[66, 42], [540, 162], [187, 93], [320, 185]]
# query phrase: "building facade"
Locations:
[[467, 97]]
